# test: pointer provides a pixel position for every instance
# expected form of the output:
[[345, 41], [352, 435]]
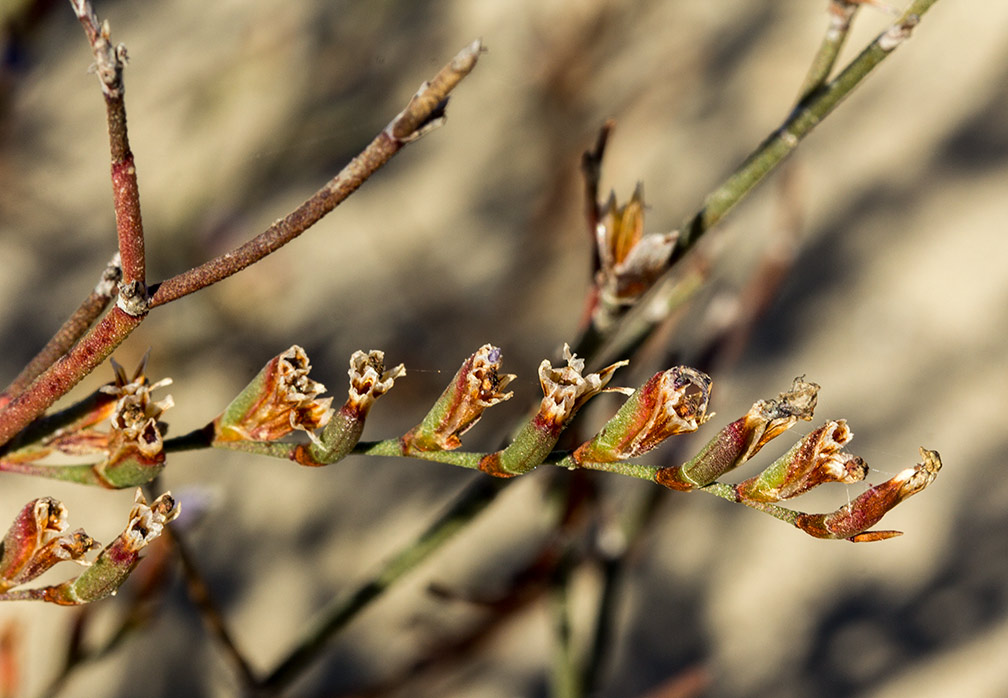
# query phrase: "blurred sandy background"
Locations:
[[897, 305]]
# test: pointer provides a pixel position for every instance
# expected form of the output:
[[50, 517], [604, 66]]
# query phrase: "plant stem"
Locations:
[[766, 157], [109, 64], [841, 15], [423, 111], [59, 378], [72, 330], [342, 610]]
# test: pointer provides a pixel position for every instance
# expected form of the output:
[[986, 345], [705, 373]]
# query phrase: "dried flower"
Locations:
[[816, 459], [629, 261], [369, 380], [743, 438], [671, 402], [278, 401], [565, 390], [135, 445], [853, 520], [31, 546], [476, 386], [115, 562]]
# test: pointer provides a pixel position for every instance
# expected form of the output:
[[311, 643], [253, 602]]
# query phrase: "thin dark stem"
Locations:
[[424, 110], [199, 593], [72, 330]]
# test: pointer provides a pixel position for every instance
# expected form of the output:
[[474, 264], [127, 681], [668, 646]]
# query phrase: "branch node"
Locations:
[[897, 33], [133, 299]]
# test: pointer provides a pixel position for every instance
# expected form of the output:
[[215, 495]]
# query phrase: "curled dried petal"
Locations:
[[369, 378], [818, 458], [566, 389], [117, 560]]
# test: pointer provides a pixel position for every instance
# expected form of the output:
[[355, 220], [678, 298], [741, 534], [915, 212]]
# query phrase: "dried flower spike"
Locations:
[[671, 402], [476, 386], [743, 438], [565, 390], [816, 459], [278, 401], [853, 520]]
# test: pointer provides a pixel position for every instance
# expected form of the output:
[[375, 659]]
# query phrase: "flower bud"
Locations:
[[743, 438], [853, 520], [369, 380], [671, 402], [817, 458], [476, 386]]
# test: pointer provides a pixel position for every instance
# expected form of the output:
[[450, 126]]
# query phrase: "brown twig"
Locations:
[[59, 378], [72, 330], [591, 170], [424, 111], [109, 64]]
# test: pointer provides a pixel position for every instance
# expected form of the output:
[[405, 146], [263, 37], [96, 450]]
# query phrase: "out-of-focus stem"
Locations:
[[841, 13], [767, 156], [345, 608]]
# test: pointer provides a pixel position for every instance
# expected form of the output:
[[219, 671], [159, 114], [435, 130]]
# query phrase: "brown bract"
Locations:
[[853, 520], [629, 261]]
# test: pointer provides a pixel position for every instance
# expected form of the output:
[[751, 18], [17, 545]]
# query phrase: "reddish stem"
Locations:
[[67, 372], [72, 330]]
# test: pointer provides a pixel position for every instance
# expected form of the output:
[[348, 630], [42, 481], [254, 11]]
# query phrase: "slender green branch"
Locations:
[[764, 159], [798, 125], [725, 491], [841, 14], [566, 678], [473, 500]]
